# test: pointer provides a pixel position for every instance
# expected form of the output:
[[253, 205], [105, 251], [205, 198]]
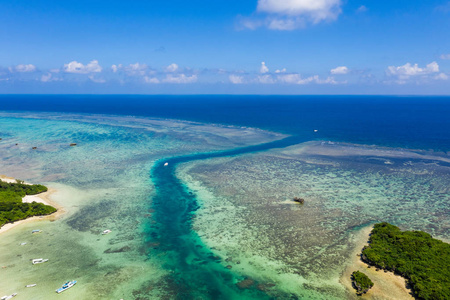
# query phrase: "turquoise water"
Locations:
[[218, 221]]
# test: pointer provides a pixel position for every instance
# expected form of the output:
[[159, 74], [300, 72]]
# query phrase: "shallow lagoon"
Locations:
[[247, 213], [245, 225], [103, 182]]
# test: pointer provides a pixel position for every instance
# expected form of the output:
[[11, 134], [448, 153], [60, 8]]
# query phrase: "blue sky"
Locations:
[[237, 47]]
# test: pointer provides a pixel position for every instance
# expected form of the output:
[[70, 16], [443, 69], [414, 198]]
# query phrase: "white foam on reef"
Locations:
[[102, 182], [247, 210]]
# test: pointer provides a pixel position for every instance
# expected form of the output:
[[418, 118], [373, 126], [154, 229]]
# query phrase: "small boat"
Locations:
[[31, 285], [39, 261], [67, 285], [36, 231], [9, 297], [106, 231], [166, 164], [315, 130]]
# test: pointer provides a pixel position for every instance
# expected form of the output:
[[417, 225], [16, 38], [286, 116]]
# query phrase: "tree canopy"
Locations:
[[11, 206], [415, 255]]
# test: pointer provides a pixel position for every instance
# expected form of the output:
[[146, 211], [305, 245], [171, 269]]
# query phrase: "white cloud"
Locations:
[[264, 69], [407, 70], [46, 77], [361, 9], [79, 68], [318, 10], [153, 80], [172, 68], [281, 71], [181, 78], [235, 79], [285, 23], [441, 76], [115, 68], [289, 78], [297, 79], [23, 68], [136, 69], [445, 56], [265, 79], [96, 80], [49, 77], [339, 70], [249, 23], [292, 14]]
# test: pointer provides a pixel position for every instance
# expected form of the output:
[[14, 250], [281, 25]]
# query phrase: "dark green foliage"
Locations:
[[415, 255], [11, 207], [361, 282]]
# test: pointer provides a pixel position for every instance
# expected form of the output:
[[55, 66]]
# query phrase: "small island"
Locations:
[[361, 282], [11, 206], [415, 255]]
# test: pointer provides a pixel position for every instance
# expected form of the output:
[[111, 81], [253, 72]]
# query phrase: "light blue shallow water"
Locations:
[[161, 234]]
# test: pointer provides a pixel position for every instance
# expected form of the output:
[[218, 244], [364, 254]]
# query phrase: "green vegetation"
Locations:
[[361, 282], [11, 207], [415, 255]]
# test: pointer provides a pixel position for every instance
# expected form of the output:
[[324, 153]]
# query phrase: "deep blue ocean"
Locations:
[[405, 122]]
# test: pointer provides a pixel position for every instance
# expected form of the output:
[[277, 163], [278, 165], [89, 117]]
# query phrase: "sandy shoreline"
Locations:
[[44, 198], [387, 285]]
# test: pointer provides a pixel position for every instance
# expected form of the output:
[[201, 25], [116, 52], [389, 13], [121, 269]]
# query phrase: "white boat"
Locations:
[[166, 164], [39, 261], [315, 130], [23, 244], [106, 231], [67, 285], [31, 285], [36, 231], [9, 297]]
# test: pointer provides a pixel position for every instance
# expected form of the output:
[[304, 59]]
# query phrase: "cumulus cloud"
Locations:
[[115, 68], [297, 79], [441, 76], [339, 70], [281, 71], [292, 14], [445, 56], [79, 68], [235, 79], [408, 70], [264, 69], [318, 10], [172, 68], [181, 78], [23, 68], [136, 69]]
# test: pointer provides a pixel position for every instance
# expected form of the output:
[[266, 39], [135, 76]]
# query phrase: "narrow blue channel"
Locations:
[[195, 272]]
